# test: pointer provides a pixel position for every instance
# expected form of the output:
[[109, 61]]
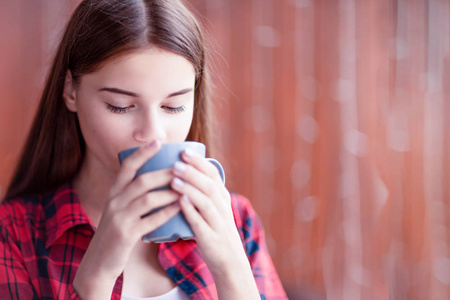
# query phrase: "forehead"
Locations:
[[144, 70]]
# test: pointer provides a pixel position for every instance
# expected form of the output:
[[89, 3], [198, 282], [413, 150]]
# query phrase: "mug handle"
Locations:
[[219, 167]]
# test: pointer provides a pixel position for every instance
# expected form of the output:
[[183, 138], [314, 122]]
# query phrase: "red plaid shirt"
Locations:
[[43, 240]]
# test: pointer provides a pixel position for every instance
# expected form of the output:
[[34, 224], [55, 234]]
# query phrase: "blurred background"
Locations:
[[331, 119]]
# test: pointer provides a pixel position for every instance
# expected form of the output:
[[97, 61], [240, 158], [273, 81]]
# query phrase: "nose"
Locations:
[[149, 128]]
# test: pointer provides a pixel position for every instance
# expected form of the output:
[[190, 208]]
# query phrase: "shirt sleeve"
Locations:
[[15, 280], [252, 235]]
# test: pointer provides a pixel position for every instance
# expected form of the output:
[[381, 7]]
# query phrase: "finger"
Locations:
[[142, 185], [151, 201], [196, 221], [155, 220], [131, 164], [200, 180], [203, 203], [201, 164]]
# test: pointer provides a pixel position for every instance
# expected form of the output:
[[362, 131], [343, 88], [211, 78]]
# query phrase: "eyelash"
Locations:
[[118, 110], [122, 110], [175, 110]]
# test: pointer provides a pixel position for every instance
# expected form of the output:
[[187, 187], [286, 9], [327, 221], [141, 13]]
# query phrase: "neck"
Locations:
[[92, 184]]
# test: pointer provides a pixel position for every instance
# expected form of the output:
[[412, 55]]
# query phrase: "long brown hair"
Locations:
[[98, 31]]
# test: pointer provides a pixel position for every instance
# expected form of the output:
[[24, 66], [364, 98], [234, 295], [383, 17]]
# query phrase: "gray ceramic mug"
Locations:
[[177, 227]]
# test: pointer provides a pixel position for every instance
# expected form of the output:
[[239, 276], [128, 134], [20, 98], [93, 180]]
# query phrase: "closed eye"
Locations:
[[117, 109], [175, 110]]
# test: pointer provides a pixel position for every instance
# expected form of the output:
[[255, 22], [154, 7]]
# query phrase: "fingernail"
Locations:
[[179, 166], [188, 152], [185, 199], [177, 182], [153, 144]]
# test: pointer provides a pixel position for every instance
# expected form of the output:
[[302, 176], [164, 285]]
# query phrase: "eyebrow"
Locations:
[[118, 91], [181, 92], [131, 94]]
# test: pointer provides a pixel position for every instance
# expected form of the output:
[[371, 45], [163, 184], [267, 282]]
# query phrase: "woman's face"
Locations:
[[131, 101]]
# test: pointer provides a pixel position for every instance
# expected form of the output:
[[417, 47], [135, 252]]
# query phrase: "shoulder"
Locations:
[[19, 208], [247, 220], [242, 209], [253, 239], [28, 215], [240, 203], [19, 213], [36, 207]]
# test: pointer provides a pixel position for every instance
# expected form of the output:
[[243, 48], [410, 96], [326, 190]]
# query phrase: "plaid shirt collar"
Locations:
[[63, 211]]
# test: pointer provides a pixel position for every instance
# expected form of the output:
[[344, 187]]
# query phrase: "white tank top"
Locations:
[[175, 294]]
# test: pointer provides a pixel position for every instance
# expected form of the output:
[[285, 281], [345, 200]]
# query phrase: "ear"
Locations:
[[70, 93]]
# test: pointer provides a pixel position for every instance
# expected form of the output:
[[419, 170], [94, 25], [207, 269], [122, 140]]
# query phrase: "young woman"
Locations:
[[127, 73]]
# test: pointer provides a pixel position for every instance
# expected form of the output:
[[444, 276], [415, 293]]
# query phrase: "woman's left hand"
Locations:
[[206, 205]]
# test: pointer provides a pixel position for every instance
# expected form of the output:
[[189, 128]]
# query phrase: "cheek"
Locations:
[[185, 127], [99, 130]]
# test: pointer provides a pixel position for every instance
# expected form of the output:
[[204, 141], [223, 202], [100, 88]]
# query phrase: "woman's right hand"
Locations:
[[121, 225]]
